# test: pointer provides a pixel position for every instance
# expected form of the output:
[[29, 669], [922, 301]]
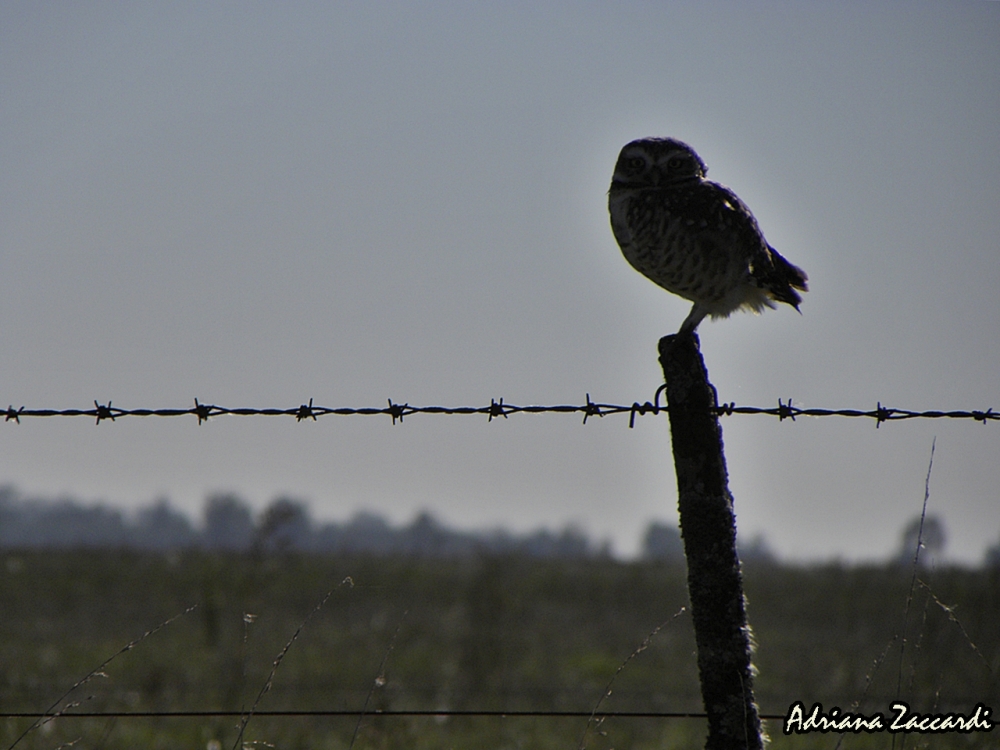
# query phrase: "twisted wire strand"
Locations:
[[375, 713], [496, 409]]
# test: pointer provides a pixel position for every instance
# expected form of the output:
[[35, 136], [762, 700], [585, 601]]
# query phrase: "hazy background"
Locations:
[[255, 204]]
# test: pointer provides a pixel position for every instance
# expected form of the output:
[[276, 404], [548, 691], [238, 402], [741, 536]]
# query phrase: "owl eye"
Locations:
[[675, 163], [636, 164]]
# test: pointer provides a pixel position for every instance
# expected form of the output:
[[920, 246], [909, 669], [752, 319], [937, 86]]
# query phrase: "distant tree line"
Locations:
[[285, 525], [228, 523]]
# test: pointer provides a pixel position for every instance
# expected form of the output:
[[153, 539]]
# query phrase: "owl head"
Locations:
[[657, 162]]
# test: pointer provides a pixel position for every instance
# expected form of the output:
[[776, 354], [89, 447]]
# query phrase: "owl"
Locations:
[[694, 237]]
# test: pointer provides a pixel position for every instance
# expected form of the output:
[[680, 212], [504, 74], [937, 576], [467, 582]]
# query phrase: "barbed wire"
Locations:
[[496, 409]]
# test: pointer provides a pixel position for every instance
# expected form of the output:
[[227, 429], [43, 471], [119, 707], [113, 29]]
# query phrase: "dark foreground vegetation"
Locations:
[[486, 633]]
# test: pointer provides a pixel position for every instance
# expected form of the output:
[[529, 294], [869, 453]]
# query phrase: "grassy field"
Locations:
[[482, 634]]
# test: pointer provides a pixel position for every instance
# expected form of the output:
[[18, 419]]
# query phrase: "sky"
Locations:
[[255, 204]]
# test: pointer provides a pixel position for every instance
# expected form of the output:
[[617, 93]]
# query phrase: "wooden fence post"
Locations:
[[708, 526]]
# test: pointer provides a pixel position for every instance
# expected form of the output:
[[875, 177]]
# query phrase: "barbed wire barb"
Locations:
[[103, 412], [592, 410], [397, 411], [306, 412], [496, 410], [785, 411], [203, 411]]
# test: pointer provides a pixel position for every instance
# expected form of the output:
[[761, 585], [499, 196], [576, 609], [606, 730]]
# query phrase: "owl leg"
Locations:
[[697, 314]]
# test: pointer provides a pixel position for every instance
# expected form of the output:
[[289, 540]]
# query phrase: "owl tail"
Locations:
[[783, 278]]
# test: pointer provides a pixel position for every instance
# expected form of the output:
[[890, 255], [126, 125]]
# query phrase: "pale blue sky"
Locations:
[[255, 204]]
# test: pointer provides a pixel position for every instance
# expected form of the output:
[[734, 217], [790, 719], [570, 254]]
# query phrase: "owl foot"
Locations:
[[691, 322]]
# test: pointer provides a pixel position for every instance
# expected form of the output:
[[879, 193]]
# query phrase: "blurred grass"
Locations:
[[487, 633]]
